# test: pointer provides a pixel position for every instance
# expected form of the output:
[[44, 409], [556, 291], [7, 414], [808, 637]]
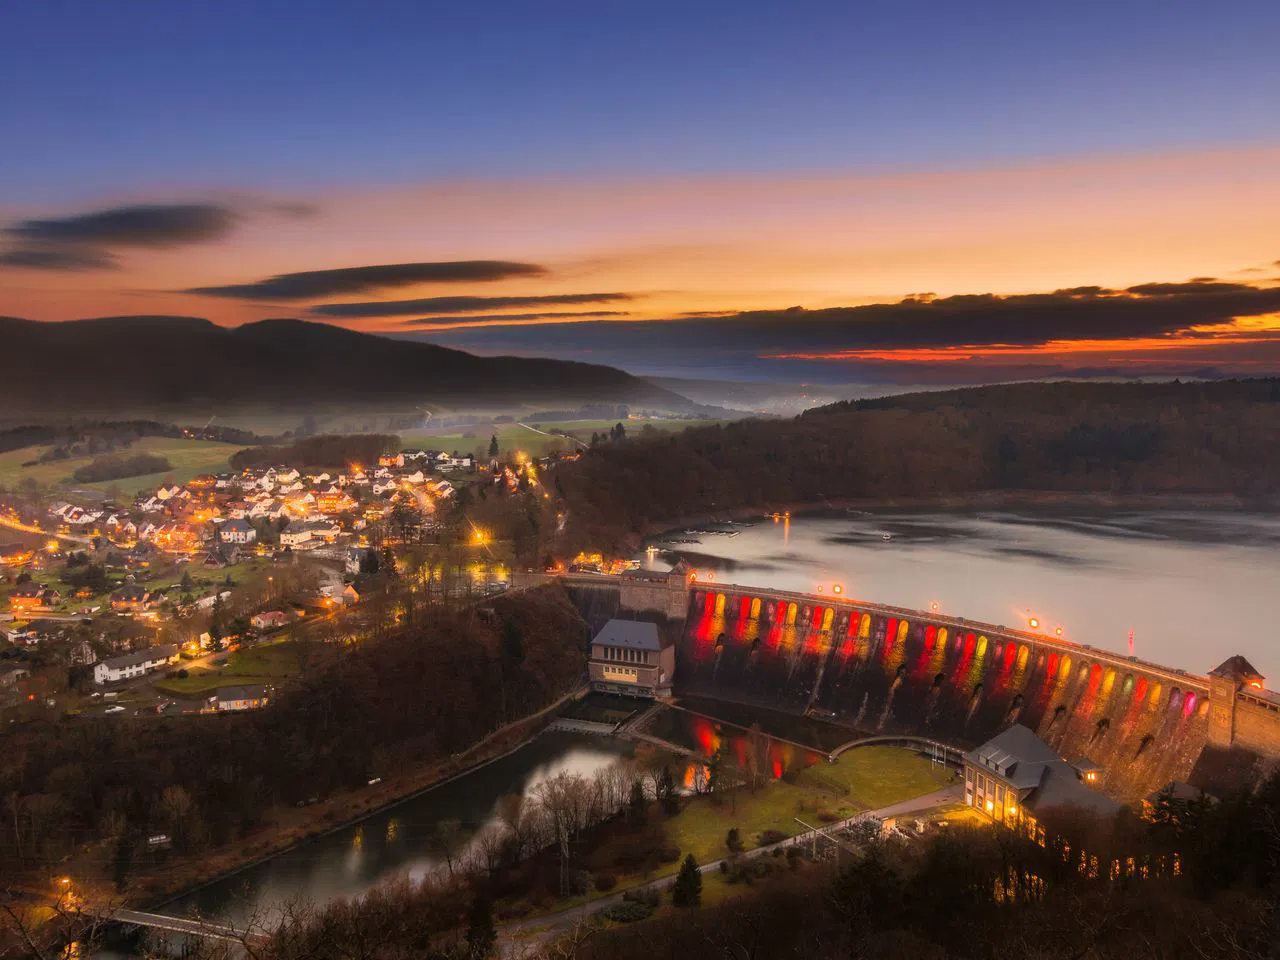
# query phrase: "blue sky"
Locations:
[[667, 160], [135, 95]]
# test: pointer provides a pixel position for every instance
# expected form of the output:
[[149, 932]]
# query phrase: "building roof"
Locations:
[[131, 593], [247, 692], [1043, 779], [166, 652], [1236, 668], [241, 526], [636, 634]]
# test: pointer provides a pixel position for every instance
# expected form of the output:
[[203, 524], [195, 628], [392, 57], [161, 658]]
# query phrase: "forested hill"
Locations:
[[1128, 439], [128, 363]]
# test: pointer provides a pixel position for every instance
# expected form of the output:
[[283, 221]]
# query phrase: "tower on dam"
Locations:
[[1242, 712]]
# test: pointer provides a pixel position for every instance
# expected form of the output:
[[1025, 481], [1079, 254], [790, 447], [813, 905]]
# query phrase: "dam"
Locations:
[[883, 670]]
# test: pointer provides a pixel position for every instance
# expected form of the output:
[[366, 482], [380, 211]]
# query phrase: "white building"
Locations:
[[133, 664]]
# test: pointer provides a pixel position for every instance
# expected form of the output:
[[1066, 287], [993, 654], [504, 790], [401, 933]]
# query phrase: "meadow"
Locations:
[[187, 458]]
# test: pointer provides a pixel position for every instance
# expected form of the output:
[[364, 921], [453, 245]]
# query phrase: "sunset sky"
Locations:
[[1092, 189]]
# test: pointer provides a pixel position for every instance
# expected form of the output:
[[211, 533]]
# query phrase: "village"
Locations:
[[196, 596]]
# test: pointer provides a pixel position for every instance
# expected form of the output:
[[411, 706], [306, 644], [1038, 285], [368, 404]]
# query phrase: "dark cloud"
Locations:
[[1029, 320], [322, 283], [486, 317], [87, 241], [145, 225], [399, 308], [56, 258]]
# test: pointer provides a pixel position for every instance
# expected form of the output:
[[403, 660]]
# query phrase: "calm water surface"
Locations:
[[396, 841], [1194, 587]]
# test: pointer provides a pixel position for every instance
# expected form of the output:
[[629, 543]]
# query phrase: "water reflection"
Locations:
[[1168, 576], [396, 841]]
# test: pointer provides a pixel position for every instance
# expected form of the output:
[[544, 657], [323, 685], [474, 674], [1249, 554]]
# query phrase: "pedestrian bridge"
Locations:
[[192, 927]]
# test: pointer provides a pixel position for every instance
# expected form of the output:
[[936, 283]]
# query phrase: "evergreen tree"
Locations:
[[481, 934], [493, 445], [687, 890], [667, 793]]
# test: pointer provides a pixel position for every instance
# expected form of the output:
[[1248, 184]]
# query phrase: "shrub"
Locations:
[[724, 866], [605, 881], [627, 911], [733, 840], [767, 837], [183, 674], [649, 896], [668, 854]]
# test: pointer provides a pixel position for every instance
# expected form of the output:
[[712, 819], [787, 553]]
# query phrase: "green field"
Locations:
[[187, 458], [515, 437], [264, 663]]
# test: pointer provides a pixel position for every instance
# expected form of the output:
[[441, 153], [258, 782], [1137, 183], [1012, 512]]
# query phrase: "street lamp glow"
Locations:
[[837, 588], [1034, 623]]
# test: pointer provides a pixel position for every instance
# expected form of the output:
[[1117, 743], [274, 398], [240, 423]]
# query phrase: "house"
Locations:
[[459, 462], [252, 697], [142, 554], [237, 531], [269, 620], [16, 554], [630, 657], [413, 476], [391, 460], [177, 538], [169, 491], [295, 536], [382, 487], [288, 475], [11, 675], [360, 588], [1015, 776], [33, 596], [131, 597], [133, 664]]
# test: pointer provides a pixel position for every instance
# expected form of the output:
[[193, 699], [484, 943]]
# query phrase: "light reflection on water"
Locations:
[[1193, 586], [396, 841]]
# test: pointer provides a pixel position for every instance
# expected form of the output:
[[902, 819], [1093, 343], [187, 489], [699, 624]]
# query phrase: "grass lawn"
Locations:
[[875, 777], [186, 457], [821, 794], [264, 663]]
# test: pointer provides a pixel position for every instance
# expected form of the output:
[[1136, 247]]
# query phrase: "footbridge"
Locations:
[[191, 927]]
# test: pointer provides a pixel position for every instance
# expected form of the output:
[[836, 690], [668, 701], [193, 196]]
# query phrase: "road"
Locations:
[[558, 436], [516, 939], [12, 524]]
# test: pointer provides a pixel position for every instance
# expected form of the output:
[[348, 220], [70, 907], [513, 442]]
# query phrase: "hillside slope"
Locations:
[[118, 363]]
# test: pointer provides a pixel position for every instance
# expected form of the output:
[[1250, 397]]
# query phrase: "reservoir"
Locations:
[[1193, 587]]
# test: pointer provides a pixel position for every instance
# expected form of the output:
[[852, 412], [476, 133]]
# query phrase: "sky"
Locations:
[[841, 192]]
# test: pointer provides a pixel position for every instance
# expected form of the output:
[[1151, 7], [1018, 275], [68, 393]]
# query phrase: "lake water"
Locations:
[[395, 841], [1194, 587]]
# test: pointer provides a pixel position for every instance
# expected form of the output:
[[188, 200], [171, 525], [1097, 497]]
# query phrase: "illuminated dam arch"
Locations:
[[1024, 652], [828, 618], [942, 638], [1064, 669], [719, 604], [981, 649], [864, 628], [1157, 689], [930, 637], [1108, 680], [755, 608], [792, 610], [903, 627], [708, 603], [744, 608], [1126, 687]]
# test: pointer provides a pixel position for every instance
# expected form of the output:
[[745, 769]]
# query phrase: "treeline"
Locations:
[[1123, 439], [329, 450], [85, 437], [117, 467], [400, 697]]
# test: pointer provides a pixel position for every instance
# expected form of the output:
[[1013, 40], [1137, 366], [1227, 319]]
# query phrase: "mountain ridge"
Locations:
[[125, 362]]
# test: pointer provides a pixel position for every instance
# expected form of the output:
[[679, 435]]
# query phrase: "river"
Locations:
[[395, 841], [1194, 587]]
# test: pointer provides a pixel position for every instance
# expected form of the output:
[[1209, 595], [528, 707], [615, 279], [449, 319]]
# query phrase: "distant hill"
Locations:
[[1132, 440], [128, 363]]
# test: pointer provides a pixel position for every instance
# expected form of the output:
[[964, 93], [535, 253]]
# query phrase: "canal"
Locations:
[[397, 840]]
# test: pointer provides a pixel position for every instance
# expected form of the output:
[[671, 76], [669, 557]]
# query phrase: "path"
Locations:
[[951, 753], [515, 939], [558, 436], [194, 928]]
